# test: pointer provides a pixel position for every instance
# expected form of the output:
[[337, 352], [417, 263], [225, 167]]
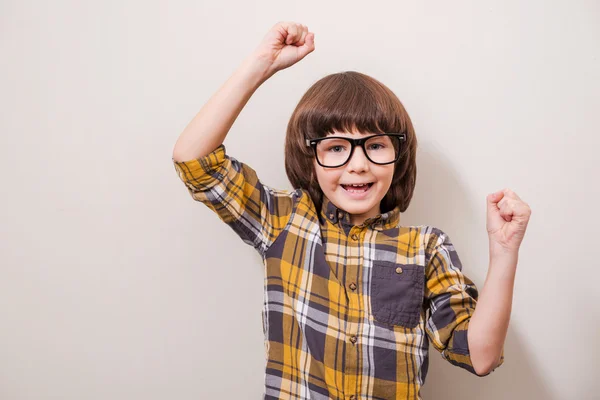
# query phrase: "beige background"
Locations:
[[115, 284]]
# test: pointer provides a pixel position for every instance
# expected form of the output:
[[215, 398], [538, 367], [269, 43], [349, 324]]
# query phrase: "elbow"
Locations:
[[484, 368], [177, 156], [482, 371]]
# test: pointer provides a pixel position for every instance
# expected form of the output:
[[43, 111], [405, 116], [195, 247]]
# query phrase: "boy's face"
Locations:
[[358, 170]]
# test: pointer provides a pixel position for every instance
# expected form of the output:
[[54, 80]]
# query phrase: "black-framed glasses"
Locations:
[[335, 151]]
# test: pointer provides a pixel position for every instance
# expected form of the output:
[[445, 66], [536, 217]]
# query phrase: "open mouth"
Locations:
[[357, 188]]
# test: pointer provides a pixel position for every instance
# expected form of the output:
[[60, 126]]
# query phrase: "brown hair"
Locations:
[[345, 102]]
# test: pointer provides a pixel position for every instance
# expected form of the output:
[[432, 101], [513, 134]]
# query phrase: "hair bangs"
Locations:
[[349, 103]]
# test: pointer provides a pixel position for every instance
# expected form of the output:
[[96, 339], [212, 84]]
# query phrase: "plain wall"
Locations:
[[115, 284]]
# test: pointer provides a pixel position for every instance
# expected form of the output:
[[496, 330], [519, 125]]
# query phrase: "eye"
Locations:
[[377, 146], [338, 147]]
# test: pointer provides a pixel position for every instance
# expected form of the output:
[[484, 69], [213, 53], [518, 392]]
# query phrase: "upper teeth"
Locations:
[[363, 184]]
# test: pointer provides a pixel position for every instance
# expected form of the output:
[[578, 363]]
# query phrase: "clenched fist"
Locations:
[[507, 219], [285, 44]]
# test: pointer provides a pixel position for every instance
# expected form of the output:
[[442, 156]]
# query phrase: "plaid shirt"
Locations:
[[349, 311]]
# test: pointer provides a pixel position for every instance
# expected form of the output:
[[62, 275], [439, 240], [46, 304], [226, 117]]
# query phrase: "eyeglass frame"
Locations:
[[353, 143]]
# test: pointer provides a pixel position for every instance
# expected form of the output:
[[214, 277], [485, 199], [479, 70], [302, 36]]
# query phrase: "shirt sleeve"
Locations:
[[256, 212], [451, 298]]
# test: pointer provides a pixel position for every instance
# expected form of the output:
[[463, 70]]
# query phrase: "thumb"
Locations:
[[308, 46], [492, 201]]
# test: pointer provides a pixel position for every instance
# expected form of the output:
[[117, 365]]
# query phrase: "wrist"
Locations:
[[257, 68], [500, 253]]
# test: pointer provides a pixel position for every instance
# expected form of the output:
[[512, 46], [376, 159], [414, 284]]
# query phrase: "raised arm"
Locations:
[[285, 44], [256, 212]]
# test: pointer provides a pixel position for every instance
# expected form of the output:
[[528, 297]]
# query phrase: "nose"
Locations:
[[358, 161]]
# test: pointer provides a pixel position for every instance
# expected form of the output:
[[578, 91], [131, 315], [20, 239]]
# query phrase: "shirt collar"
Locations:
[[379, 222]]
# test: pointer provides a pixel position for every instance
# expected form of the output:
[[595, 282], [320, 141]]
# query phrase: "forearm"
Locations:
[[490, 320], [208, 129]]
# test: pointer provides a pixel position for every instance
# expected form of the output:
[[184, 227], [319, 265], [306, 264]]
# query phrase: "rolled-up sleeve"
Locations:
[[256, 212], [451, 298]]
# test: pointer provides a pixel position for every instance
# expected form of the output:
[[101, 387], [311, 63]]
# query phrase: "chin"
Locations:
[[355, 208]]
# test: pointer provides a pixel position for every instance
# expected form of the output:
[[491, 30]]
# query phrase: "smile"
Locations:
[[357, 191]]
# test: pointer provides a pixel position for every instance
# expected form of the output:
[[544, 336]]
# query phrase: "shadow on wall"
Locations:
[[442, 201]]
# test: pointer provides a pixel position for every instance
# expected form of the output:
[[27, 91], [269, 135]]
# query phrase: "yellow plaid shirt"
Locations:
[[349, 311]]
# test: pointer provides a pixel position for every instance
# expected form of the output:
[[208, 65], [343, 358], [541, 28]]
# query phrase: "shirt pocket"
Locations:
[[397, 292]]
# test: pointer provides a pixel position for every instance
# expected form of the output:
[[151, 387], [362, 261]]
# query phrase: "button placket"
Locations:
[[353, 270]]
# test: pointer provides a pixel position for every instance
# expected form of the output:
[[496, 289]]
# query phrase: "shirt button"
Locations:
[[353, 397], [398, 270], [331, 216], [353, 286], [354, 236], [340, 214], [353, 339]]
